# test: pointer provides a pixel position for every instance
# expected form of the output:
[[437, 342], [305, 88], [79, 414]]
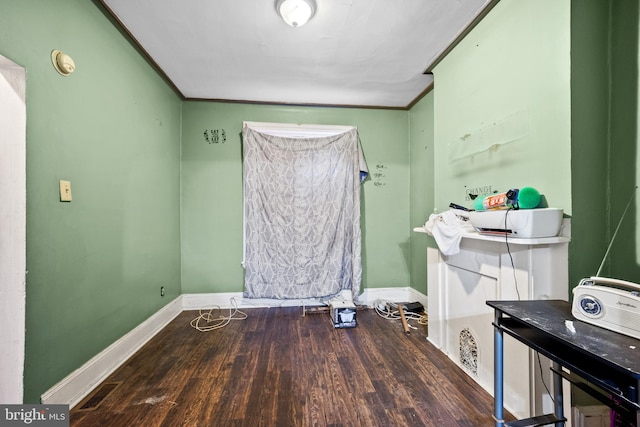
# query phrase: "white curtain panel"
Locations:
[[301, 210]]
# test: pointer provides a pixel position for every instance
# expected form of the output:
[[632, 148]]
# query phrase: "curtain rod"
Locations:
[[297, 130]]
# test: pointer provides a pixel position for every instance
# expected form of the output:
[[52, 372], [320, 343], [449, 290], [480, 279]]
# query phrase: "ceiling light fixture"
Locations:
[[296, 12]]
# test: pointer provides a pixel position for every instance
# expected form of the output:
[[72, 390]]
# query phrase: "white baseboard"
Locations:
[[77, 385], [369, 296], [227, 299]]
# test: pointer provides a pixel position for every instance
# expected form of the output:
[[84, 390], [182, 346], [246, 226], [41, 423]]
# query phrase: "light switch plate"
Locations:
[[65, 191]]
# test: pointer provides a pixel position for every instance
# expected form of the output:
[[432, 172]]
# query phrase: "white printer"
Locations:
[[522, 223]]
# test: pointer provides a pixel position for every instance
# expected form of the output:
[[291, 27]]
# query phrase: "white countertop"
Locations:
[[502, 239]]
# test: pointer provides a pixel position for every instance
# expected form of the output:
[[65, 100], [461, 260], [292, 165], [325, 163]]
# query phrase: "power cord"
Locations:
[[206, 321], [389, 310], [506, 241], [542, 378]]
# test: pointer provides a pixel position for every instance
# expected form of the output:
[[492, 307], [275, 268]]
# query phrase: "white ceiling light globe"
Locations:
[[296, 12]]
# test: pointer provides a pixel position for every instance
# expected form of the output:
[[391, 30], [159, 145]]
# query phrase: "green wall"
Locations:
[[212, 191], [624, 139], [604, 164], [502, 106], [604, 87], [554, 109], [590, 81], [421, 146], [95, 265]]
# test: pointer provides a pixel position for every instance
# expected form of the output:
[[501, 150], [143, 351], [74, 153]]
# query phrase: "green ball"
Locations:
[[477, 203], [528, 198]]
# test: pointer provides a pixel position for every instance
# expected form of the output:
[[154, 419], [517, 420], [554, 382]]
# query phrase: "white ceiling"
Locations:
[[369, 53]]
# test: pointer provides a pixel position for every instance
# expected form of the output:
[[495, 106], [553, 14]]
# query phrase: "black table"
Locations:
[[603, 363]]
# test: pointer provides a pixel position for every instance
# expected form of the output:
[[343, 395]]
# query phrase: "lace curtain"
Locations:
[[301, 210]]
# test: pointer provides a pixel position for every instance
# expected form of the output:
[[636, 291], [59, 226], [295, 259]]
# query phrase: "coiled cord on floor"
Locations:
[[208, 321], [389, 310]]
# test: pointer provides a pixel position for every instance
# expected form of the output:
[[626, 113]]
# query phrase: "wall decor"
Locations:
[[379, 175], [215, 136]]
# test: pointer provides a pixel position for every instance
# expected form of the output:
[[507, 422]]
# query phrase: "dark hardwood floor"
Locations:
[[278, 368]]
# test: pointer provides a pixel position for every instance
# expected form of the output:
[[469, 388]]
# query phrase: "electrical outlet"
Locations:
[[161, 291]]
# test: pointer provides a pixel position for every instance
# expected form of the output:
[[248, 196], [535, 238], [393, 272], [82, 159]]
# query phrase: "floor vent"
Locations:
[[94, 400]]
